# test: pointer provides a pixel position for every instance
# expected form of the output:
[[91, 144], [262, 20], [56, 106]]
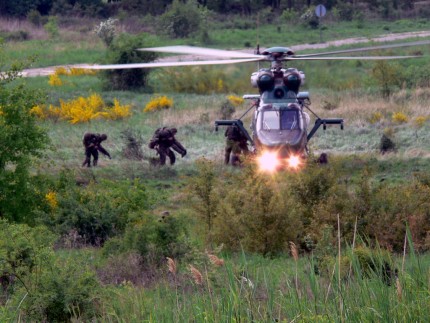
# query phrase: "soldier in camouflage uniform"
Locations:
[[236, 142], [92, 143], [163, 141]]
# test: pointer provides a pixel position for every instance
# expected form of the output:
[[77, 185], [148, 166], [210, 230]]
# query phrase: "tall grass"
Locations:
[[261, 290]]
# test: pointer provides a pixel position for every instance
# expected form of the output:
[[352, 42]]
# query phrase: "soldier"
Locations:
[[236, 142], [92, 143], [164, 139]]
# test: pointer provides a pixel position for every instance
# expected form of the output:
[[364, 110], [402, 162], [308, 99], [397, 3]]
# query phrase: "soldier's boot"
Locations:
[[235, 161], [95, 162], [86, 162]]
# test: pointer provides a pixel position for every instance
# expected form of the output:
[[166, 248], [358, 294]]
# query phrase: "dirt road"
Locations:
[[45, 71]]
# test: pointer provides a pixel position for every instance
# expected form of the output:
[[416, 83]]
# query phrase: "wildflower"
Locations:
[[51, 198]]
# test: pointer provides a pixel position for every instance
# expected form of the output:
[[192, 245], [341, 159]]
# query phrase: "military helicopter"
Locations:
[[280, 127]]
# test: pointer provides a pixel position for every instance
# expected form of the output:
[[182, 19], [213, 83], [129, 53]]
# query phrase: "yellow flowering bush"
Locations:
[[375, 117], [235, 100], [51, 198], [38, 111], [83, 110], [61, 71], [81, 71], [74, 71], [419, 121], [54, 80], [158, 103], [119, 111], [399, 117]]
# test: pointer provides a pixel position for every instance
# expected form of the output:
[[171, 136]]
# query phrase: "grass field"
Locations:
[[242, 286]]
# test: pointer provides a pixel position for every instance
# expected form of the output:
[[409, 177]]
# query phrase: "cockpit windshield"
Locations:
[[281, 120]]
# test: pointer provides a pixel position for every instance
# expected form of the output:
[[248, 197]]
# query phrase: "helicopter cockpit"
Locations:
[[280, 125]]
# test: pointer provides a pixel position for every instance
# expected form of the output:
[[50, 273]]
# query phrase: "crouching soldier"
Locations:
[[163, 141], [93, 144]]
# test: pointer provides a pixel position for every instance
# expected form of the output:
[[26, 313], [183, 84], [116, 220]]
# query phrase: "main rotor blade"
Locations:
[[364, 49], [200, 51], [339, 58], [167, 64]]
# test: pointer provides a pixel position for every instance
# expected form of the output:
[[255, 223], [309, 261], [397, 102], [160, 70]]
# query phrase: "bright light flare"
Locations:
[[268, 161], [293, 161]]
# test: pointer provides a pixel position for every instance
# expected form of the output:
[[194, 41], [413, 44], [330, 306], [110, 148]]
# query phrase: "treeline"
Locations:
[[105, 8]]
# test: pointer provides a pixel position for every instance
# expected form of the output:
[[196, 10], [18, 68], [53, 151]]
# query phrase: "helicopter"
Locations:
[[280, 127]]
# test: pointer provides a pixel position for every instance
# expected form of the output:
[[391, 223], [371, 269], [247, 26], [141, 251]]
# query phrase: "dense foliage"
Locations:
[[21, 138], [274, 210], [386, 8]]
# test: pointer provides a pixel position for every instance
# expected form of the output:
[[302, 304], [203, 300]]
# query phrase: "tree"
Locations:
[[21, 138], [388, 77]]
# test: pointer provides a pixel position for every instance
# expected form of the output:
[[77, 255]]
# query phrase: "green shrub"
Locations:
[[68, 289], [52, 26], [123, 51], [24, 252], [181, 19], [152, 238], [96, 213]]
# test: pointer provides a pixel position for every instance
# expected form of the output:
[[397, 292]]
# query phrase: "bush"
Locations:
[[106, 31], [152, 238], [158, 103], [123, 51], [181, 19], [52, 26], [69, 289], [133, 144], [96, 214]]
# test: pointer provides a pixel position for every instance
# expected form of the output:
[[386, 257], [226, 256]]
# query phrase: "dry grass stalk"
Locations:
[[399, 289], [215, 260], [171, 264], [404, 250], [294, 251], [353, 246], [295, 254], [197, 275]]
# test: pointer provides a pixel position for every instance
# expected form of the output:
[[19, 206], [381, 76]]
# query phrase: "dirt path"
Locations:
[[45, 71]]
